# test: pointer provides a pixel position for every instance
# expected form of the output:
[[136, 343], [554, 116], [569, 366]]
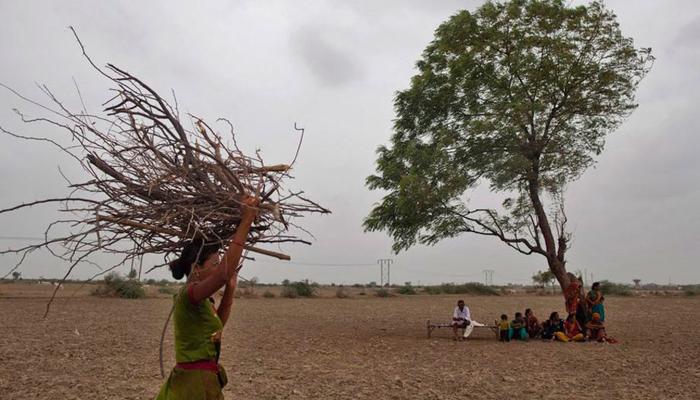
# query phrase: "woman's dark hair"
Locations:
[[528, 311], [196, 251], [503, 316], [554, 315], [595, 285], [518, 314]]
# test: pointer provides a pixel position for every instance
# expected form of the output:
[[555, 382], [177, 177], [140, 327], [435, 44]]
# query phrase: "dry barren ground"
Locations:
[[357, 348]]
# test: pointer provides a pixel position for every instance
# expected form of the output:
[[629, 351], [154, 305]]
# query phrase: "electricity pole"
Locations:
[[382, 262], [488, 277]]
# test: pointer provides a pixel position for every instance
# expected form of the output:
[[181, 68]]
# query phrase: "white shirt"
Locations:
[[462, 314]]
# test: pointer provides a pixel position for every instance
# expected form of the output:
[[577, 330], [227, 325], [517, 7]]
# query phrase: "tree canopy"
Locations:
[[518, 95]]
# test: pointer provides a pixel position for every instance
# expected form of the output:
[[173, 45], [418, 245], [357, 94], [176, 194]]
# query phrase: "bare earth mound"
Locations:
[[363, 347]]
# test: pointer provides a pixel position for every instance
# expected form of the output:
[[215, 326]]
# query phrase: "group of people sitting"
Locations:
[[570, 330], [585, 319]]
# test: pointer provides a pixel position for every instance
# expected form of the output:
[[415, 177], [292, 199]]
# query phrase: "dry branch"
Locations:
[[154, 183]]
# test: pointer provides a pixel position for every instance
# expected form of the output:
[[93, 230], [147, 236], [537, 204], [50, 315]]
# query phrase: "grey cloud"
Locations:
[[329, 63]]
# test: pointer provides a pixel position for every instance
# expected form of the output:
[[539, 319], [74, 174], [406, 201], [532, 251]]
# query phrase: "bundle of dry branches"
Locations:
[[154, 183]]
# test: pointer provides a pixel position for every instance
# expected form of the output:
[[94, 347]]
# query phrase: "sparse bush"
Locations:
[[298, 289], [268, 294], [382, 293], [691, 290], [615, 289], [362, 293], [473, 288], [358, 285], [248, 293], [116, 286], [341, 293], [406, 289], [167, 290], [432, 289]]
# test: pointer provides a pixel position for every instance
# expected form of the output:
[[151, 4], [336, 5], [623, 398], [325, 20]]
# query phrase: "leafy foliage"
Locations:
[[543, 278], [518, 95]]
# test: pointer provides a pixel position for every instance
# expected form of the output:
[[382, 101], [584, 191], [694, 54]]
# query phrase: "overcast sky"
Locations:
[[333, 67]]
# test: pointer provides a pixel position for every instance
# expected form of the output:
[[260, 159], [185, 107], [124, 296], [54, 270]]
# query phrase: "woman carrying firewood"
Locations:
[[197, 325]]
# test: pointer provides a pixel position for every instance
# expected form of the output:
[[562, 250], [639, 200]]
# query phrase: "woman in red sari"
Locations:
[[572, 294]]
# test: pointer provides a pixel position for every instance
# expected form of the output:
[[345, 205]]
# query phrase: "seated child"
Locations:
[[572, 330], [517, 326], [551, 326], [504, 328], [532, 325], [596, 330]]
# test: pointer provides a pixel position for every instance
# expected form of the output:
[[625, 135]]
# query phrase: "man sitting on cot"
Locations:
[[461, 319]]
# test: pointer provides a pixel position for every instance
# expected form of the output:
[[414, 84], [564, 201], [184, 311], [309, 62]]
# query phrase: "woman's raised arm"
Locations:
[[232, 258]]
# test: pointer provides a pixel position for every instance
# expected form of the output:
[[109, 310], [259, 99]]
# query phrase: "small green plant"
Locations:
[[116, 286], [381, 292], [298, 289], [268, 294], [407, 288]]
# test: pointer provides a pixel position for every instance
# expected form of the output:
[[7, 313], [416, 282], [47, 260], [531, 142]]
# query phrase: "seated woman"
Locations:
[[551, 326], [572, 331], [532, 325], [517, 326], [596, 329]]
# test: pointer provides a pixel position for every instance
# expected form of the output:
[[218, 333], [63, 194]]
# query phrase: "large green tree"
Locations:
[[519, 96]]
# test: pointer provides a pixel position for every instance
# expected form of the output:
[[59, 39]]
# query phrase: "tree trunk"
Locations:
[[558, 268], [555, 259]]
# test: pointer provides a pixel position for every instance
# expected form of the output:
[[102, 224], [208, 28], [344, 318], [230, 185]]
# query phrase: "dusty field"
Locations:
[[362, 347]]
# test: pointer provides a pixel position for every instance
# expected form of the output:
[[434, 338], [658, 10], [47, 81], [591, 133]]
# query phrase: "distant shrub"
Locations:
[[298, 289], [341, 293], [382, 293], [432, 289], [268, 294], [167, 290], [691, 290], [151, 282], [248, 292], [473, 288], [406, 289], [358, 285], [116, 286], [362, 293], [615, 289]]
